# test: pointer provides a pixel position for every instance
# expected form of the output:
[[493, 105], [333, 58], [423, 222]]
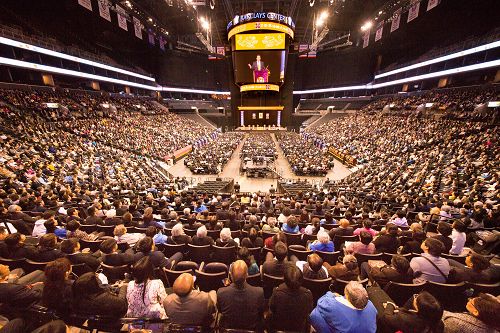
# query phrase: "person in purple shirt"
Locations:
[[400, 220]]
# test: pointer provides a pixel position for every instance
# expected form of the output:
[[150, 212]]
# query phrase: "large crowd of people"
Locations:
[[211, 158], [91, 229], [305, 158]]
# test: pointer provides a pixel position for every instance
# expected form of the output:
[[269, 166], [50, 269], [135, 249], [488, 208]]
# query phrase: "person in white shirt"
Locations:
[[458, 235], [121, 235]]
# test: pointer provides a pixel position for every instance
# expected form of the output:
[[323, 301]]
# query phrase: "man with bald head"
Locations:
[[241, 305], [188, 306]]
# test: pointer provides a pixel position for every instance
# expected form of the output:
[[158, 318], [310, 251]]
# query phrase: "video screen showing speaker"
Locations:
[[259, 66]]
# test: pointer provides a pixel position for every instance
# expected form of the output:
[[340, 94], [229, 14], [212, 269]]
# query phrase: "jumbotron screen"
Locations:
[[259, 66]]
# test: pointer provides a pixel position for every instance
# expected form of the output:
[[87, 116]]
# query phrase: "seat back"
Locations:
[[451, 296], [210, 281], [213, 233], [270, 282], [31, 266], [171, 249], [13, 263], [225, 255], [88, 228], [329, 257], [338, 241], [339, 285], [460, 259], [401, 292], [256, 253], [266, 235], [387, 257], [186, 265], [299, 251], [216, 267], [199, 254], [317, 287], [115, 273], [107, 229], [123, 246], [79, 269], [493, 289], [293, 239], [173, 275], [365, 257], [92, 245], [255, 280]]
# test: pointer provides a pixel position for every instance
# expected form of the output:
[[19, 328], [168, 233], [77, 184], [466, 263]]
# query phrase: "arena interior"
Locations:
[[239, 166]]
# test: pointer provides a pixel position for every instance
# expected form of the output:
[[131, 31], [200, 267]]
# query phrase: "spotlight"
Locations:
[[366, 26], [323, 15]]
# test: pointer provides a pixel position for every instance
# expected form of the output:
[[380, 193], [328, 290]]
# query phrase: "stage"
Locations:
[[260, 128]]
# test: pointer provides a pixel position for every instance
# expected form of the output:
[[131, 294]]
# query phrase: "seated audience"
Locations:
[[276, 266], [388, 241], [476, 269], [323, 244], [398, 271], [364, 246], [225, 239], [444, 232], [347, 270], [430, 266], [458, 237], [71, 248], [122, 236], [57, 294], [201, 238]]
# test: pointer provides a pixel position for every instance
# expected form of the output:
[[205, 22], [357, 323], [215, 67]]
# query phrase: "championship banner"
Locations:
[[310, 54], [162, 43], [104, 9], [151, 38], [303, 48], [137, 27], [366, 38], [432, 3], [272, 41], [396, 19], [122, 19], [86, 3], [413, 12], [380, 30]]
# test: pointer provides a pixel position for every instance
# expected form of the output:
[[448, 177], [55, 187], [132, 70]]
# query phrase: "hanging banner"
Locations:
[[366, 38], [104, 9], [137, 28], [151, 38], [396, 19], [221, 50], [162, 43], [413, 11], [380, 30], [302, 49], [85, 3], [122, 18], [432, 3]]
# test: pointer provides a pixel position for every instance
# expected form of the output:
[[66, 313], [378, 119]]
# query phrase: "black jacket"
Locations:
[[105, 304], [290, 309], [84, 258], [407, 321], [17, 295], [386, 243]]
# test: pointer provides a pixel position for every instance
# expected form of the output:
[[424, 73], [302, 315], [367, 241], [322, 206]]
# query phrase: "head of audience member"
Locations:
[[280, 251], [70, 246], [201, 232], [72, 225], [315, 262], [486, 308], [225, 235], [183, 285], [350, 262], [356, 294], [56, 274], [279, 237], [145, 245], [119, 230], [87, 286], [400, 264], [416, 227], [127, 219], [271, 221], [47, 242], [432, 246], [344, 223], [177, 230], [142, 271], [151, 231], [444, 228], [428, 308], [292, 222], [244, 254], [15, 241], [392, 229], [108, 246], [477, 262], [459, 226], [365, 237], [239, 273], [293, 277], [323, 237]]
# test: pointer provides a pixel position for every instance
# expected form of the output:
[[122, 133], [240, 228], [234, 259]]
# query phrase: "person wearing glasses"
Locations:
[[481, 316]]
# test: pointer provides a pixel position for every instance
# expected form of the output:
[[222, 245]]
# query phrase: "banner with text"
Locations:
[[137, 27], [413, 11], [396, 19], [162, 43], [366, 38], [104, 9], [432, 3], [380, 30], [151, 38], [85, 3], [122, 18]]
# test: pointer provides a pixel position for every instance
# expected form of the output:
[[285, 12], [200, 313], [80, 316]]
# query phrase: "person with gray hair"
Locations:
[[201, 237], [178, 236], [225, 239], [271, 225], [351, 313], [323, 244]]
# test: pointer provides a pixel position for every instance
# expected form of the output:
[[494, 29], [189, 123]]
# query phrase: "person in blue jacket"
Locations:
[[353, 313], [323, 244]]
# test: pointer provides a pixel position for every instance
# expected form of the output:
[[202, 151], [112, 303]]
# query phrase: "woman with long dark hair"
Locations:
[[57, 294], [146, 295]]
